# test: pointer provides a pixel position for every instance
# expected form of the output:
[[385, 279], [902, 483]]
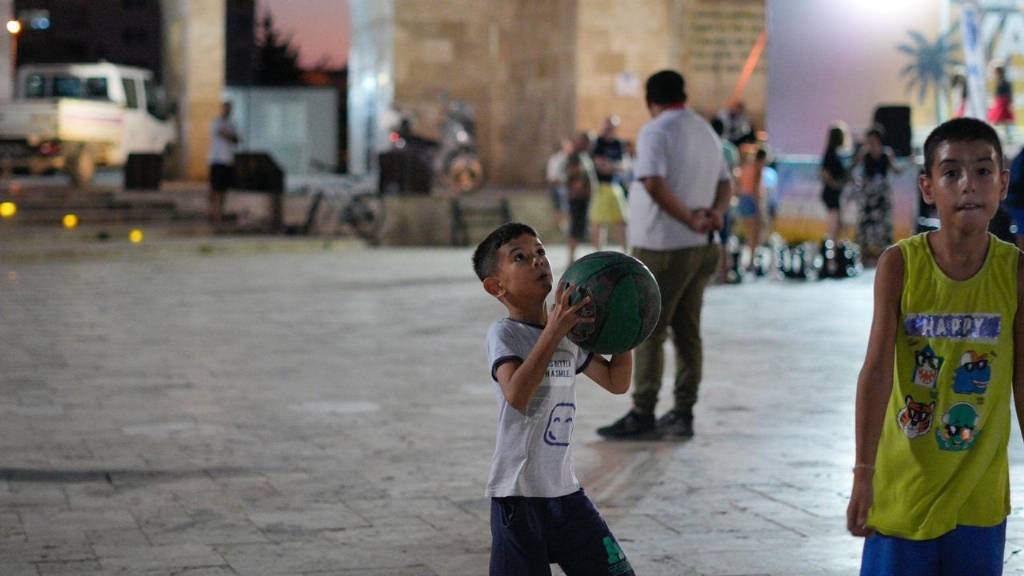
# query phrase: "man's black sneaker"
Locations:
[[676, 423], [632, 426]]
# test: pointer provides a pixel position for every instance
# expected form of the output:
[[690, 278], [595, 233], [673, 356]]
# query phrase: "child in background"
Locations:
[[754, 158]]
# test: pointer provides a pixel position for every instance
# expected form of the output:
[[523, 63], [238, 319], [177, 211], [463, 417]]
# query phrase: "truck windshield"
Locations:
[[57, 86]]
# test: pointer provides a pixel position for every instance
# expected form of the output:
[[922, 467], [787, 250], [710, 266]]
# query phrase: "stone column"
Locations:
[[194, 47], [6, 54]]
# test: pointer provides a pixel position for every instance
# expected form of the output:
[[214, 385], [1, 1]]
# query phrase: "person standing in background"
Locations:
[[731, 155], [608, 206], [751, 212], [1001, 111], [556, 182], [959, 91], [874, 229], [681, 191], [223, 143], [580, 183], [834, 177]]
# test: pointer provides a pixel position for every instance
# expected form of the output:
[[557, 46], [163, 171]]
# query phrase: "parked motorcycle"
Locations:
[[458, 159]]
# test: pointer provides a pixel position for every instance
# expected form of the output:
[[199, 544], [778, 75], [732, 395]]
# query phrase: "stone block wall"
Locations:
[[535, 72], [618, 45], [534, 100], [445, 49], [710, 43]]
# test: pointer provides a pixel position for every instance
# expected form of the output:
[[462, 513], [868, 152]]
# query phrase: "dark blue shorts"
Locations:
[[748, 207], [530, 534], [967, 550]]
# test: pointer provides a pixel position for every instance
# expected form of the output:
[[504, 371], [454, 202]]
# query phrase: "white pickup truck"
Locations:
[[74, 117]]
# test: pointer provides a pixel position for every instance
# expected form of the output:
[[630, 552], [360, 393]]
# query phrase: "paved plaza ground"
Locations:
[[203, 411]]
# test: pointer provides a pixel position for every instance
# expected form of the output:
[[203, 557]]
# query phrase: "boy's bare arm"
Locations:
[[662, 195], [874, 385], [613, 375], [1018, 345], [519, 381]]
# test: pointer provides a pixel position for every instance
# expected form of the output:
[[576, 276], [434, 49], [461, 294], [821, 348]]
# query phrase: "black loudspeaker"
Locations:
[[896, 122], [404, 172], [257, 171], [143, 171]]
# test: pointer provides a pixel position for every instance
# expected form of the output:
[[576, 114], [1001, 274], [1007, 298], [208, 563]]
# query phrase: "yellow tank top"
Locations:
[[942, 456]]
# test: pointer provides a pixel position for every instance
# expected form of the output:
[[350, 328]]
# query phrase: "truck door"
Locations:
[[160, 131], [135, 129]]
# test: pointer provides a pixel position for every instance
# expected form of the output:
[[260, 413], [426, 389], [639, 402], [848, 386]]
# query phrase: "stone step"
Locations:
[[37, 204], [105, 215]]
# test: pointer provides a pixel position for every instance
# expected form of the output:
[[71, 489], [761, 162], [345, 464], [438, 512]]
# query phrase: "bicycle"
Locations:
[[345, 203]]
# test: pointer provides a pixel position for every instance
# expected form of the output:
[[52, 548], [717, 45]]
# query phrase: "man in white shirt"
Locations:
[[223, 142], [681, 192]]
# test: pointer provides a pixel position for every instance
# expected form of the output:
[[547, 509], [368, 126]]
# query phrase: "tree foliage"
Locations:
[[931, 64], [277, 61]]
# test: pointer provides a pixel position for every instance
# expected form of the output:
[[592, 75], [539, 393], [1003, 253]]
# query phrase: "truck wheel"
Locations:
[[81, 167]]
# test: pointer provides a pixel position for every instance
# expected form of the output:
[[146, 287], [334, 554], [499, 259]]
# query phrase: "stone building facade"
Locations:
[[535, 72]]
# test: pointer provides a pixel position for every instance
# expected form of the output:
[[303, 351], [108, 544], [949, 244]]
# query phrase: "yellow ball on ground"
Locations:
[[70, 221], [135, 236], [8, 209]]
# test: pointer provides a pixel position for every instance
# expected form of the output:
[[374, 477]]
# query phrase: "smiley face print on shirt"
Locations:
[[560, 421]]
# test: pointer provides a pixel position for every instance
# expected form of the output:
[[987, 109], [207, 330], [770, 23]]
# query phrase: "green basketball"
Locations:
[[624, 300]]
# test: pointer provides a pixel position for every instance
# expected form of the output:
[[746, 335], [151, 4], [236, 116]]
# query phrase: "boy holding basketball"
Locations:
[[539, 513], [931, 480]]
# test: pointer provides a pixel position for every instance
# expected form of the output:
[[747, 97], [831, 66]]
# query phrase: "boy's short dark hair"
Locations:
[[665, 88], [485, 257], [960, 130]]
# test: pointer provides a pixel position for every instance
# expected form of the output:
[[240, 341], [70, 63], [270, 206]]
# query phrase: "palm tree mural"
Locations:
[[931, 65]]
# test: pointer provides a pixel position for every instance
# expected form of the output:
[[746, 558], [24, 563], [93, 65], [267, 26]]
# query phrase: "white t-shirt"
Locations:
[[533, 452], [556, 167], [681, 147], [222, 150]]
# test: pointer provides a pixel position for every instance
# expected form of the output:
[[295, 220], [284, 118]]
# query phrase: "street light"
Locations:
[[14, 28]]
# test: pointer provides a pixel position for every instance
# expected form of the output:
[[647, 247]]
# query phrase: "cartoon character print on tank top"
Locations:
[[958, 428], [916, 417]]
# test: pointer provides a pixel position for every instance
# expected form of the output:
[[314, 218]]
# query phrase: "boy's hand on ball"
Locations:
[[564, 316]]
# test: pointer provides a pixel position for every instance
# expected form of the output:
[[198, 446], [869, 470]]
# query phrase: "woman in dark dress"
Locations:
[[834, 177], [874, 230]]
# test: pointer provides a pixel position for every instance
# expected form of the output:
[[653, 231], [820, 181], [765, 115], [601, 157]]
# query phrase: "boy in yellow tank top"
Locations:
[[931, 480]]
